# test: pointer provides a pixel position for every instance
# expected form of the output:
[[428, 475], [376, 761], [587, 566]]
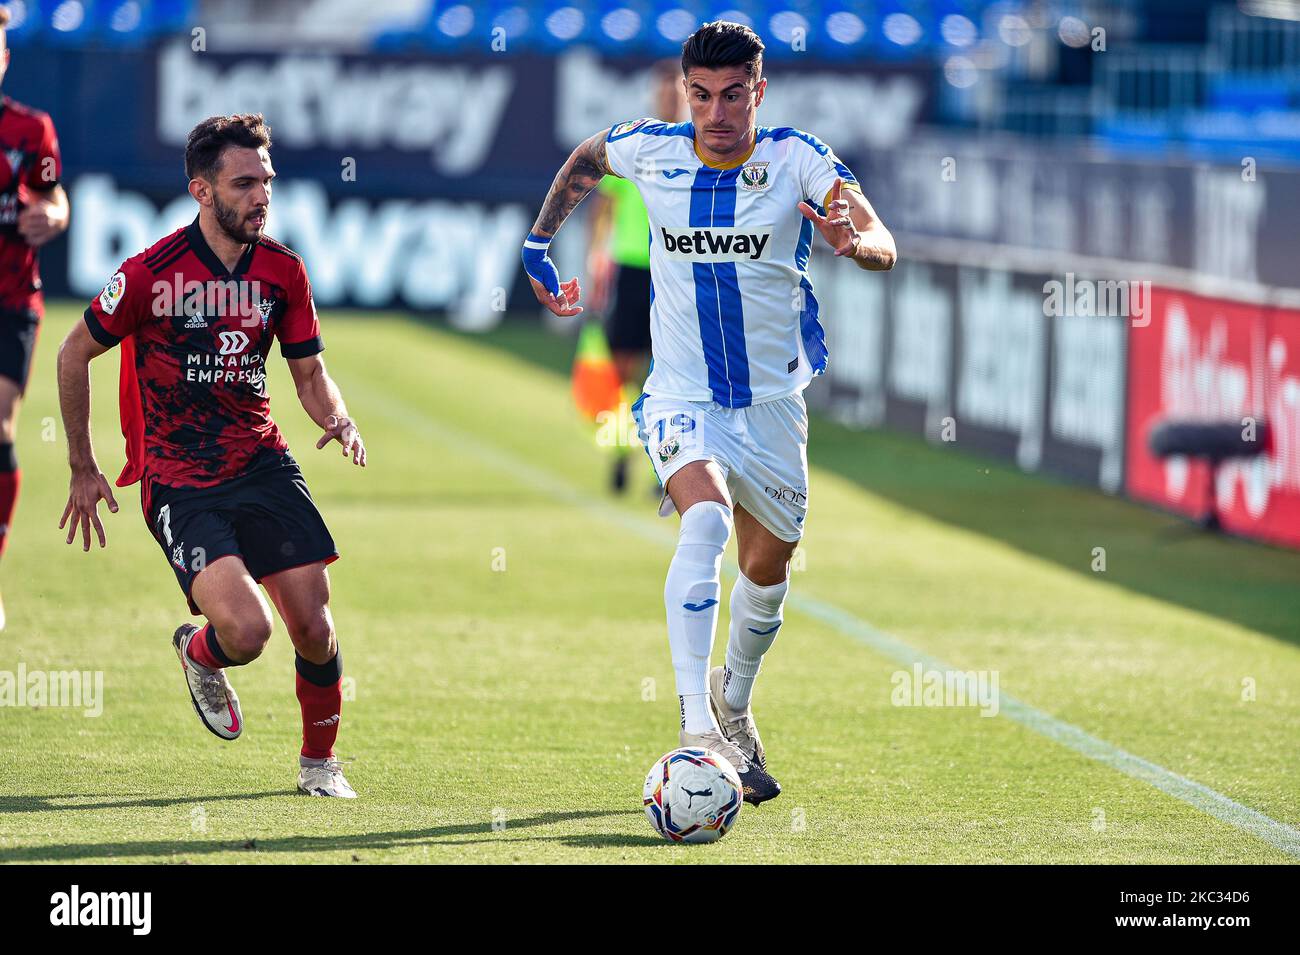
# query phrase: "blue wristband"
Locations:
[[538, 264]]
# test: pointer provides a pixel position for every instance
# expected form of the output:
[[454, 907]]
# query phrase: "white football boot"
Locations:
[[737, 725], [739, 729], [213, 697], [755, 783], [323, 777]]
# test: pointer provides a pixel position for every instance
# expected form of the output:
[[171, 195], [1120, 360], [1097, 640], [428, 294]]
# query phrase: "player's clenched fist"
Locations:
[[85, 491], [342, 430]]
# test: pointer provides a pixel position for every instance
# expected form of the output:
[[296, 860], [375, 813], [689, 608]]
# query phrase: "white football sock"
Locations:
[[756, 615], [694, 581]]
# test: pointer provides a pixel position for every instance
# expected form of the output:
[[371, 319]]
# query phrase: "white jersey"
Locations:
[[733, 318]]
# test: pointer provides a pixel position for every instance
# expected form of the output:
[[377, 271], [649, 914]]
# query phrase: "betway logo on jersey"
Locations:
[[717, 244]]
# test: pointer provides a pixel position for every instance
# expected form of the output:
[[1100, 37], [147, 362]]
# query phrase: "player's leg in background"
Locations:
[[239, 621], [627, 328], [10, 476], [301, 595], [693, 586], [757, 604], [630, 368]]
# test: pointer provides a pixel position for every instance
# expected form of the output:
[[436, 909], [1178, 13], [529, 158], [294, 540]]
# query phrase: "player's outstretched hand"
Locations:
[[566, 303], [345, 433], [835, 227], [560, 297], [85, 491]]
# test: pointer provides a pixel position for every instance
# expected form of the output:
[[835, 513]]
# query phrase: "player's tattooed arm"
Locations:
[[584, 168], [579, 175], [87, 486], [322, 400]]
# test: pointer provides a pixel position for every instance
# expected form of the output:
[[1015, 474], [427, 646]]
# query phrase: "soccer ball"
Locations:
[[692, 795]]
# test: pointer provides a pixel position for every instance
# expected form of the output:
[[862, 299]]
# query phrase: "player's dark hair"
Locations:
[[721, 44], [4, 17], [209, 139]]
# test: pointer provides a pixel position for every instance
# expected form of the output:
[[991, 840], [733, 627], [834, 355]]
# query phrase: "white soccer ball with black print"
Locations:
[[692, 795]]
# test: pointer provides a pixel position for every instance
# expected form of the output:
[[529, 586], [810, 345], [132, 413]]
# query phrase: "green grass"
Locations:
[[523, 692]]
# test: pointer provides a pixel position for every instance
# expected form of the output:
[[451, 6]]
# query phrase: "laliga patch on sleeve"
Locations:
[[622, 129], [113, 293]]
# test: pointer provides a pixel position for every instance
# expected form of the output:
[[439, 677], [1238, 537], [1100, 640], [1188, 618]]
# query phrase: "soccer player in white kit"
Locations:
[[736, 338]]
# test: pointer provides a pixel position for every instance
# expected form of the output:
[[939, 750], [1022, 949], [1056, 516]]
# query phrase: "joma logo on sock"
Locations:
[[717, 244], [103, 908]]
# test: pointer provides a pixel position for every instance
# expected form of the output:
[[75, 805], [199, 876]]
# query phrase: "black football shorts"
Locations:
[[18, 332], [628, 325], [265, 517]]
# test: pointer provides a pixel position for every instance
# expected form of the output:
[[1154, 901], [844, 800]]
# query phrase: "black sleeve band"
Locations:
[[99, 332], [312, 346]]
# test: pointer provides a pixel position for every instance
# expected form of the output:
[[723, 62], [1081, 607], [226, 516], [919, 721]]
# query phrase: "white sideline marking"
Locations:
[[1278, 834]]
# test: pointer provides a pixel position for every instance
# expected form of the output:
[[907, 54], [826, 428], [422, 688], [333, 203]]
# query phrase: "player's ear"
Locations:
[[201, 191], [759, 89]]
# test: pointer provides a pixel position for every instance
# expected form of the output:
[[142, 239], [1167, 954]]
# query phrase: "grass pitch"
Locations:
[[501, 621]]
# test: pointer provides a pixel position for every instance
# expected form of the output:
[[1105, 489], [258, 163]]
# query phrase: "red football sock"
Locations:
[[206, 652], [9, 481], [320, 695]]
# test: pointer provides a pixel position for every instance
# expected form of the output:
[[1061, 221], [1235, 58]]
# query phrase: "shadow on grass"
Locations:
[[1147, 551], [184, 849], [15, 804]]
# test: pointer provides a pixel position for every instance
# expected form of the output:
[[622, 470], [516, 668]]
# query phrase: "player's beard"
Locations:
[[232, 223]]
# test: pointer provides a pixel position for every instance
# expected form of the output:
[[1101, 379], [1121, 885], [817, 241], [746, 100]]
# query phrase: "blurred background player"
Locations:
[[33, 210], [225, 499], [733, 207], [618, 264]]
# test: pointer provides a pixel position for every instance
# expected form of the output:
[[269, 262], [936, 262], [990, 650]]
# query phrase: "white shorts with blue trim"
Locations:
[[762, 449]]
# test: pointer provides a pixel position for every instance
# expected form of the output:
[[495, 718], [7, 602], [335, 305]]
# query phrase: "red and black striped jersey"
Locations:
[[29, 163], [195, 337]]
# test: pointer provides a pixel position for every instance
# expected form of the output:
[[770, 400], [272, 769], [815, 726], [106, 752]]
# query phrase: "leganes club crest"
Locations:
[[753, 176]]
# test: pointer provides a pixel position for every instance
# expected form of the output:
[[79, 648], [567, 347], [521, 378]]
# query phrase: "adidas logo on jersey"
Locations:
[[717, 244], [198, 321]]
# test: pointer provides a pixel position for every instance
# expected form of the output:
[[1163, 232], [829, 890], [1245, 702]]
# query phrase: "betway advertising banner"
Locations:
[[1209, 360], [1028, 367], [404, 180]]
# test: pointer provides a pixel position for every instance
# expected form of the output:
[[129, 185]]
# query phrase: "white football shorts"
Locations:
[[762, 450]]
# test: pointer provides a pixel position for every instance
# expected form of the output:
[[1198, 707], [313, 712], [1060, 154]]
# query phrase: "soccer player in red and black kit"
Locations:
[[33, 210], [196, 315]]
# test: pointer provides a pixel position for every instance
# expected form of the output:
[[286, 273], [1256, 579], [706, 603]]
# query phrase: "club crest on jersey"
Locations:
[[15, 157], [753, 176], [264, 307], [112, 293]]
